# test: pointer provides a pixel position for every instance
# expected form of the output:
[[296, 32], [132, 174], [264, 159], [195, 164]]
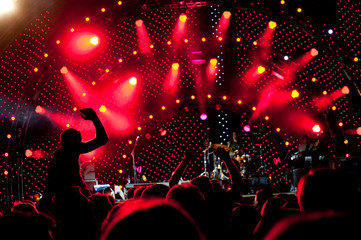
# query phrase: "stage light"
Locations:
[[6, 154], [150, 116], [6, 172], [287, 143], [255, 43], [346, 141], [295, 94], [46, 55], [203, 39], [266, 118], [261, 69], [130, 142], [324, 92], [57, 41], [183, 17], [87, 19], [139, 23], [340, 124], [139, 128], [209, 96], [193, 97], [286, 58], [254, 108], [124, 156], [36, 69], [334, 108], [299, 10], [151, 46], [278, 129], [247, 128], [102, 109], [358, 130], [169, 42], [345, 90], [238, 39], [163, 107], [135, 52], [93, 83], [204, 116], [64, 70], [177, 101], [107, 70], [94, 41], [220, 39], [120, 171], [185, 40], [355, 59], [239, 101], [330, 31], [102, 10], [120, 60], [214, 61], [6, 6], [314, 52], [120, 3], [175, 66], [283, 2], [8, 136], [72, 29], [314, 79], [226, 14], [67, 125], [316, 128], [40, 110], [133, 81], [12, 118], [224, 97], [84, 94], [272, 24], [74, 109]]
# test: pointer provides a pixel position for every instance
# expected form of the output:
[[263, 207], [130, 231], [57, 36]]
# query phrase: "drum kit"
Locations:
[[243, 162]]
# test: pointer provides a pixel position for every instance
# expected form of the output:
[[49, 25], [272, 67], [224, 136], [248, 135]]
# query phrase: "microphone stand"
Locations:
[[133, 157]]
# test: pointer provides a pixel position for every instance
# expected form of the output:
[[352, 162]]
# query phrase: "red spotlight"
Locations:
[[272, 25], [183, 17], [133, 81], [314, 52], [64, 70], [94, 40], [175, 66], [28, 153], [139, 22], [204, 116], [345, 90], [102, 109], [261, 69], [226, 14], [316, 128], [295, 94], [214, 61], [358, 130], [247, 128], [40, 110]]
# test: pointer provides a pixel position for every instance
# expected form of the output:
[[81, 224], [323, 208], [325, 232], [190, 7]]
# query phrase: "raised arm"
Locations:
[[101, 137], [176, 176], [234, 174]]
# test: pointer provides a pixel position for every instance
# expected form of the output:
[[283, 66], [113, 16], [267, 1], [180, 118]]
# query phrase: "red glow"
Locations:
[[226, 14], [261, 69], [175, 66], [272, 25], [204, 116], [172, 79], [143, 38], [37, 154], [40, 110], [94, 40], [316, 128], [212, 69], [64, 70], [80, 91]]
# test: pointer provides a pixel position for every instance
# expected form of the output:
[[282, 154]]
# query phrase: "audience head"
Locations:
[[205, 185], [24, 207], [190, 198], [130, 192], [244, 219], [138, 192], [158, 219], [272, 204], [262, 196], [155, 191], [70, 137], [326, 189]]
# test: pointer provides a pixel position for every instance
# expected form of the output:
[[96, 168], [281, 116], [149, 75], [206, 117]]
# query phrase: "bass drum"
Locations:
[[224, 169]]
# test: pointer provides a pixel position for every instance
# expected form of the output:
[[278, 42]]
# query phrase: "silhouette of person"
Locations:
[[64, 169]]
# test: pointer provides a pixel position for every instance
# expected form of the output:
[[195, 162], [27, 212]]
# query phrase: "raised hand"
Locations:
[[88, 114]]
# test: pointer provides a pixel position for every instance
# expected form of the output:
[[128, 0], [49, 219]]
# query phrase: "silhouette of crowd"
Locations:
[[325, 206]]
